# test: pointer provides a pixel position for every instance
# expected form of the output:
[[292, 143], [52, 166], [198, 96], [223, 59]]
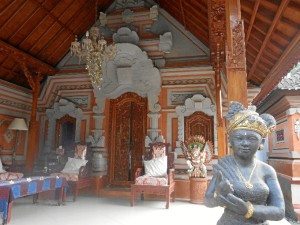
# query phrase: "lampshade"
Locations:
[[18, 124]]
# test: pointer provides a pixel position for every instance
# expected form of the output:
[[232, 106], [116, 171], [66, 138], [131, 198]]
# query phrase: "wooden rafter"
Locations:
[[182, 13], [35, 63], [252, 21], [276, 20], [288, 58]]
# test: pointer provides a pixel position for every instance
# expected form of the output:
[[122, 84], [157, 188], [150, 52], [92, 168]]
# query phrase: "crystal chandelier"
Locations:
[[93, 50]]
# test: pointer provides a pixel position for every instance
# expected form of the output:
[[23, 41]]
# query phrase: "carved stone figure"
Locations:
[[247, 188]]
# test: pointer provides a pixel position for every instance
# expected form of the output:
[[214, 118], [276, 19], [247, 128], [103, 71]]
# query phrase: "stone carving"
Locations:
[[61, 108], [127, 16], [122, 4], [247, 188], [165, 42], [125, 35], [196, 103], [153, 14], [132, 70], [102, 19]]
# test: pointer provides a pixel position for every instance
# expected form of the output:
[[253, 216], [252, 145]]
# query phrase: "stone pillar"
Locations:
[[153, 131]]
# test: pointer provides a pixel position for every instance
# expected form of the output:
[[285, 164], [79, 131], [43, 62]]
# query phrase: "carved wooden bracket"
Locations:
[[20, 56]]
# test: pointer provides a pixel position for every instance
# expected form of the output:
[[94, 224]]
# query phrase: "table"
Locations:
[[11, 190]]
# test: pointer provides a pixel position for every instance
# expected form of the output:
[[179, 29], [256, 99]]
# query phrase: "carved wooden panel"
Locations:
[[65, 134], [199, 124], [127, 137]]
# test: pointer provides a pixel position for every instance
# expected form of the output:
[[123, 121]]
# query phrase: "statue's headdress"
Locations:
[[241, 118]]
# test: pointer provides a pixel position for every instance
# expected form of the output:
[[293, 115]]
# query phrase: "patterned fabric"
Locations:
[[68, 176], [11, 190], [10, 176], [146, 180], [159, 151], [80, 151]]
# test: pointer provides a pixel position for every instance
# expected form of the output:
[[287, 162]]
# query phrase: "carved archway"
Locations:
[[197, 103], [60, 109]]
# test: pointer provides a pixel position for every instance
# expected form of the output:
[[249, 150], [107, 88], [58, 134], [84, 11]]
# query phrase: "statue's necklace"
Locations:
[[247, 182]]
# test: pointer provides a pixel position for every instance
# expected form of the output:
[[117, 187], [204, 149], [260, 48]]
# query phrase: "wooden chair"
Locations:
[[82, 177], [159, 185]]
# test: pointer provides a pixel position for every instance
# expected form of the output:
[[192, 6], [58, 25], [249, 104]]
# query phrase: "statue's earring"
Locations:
[[261, 147], [229, 145]]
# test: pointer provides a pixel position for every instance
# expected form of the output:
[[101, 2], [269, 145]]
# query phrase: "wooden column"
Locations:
[[235, 54], [217, 30], [32, 148], [220, 122]]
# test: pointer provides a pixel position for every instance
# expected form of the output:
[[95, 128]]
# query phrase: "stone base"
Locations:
[[198, 188]]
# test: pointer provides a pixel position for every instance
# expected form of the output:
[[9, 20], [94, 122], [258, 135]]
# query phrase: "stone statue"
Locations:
[[247, 188], [197, 151]]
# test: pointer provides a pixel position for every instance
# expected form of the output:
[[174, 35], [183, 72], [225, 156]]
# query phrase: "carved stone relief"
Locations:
[[60, 109]]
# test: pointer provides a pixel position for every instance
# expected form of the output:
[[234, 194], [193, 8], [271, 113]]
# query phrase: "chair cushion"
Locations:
[[156, 167], [146, 180], [10, 176], [68, 176], [73, 165]]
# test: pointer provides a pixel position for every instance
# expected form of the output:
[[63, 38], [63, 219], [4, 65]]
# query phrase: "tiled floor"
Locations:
[[91, 210]]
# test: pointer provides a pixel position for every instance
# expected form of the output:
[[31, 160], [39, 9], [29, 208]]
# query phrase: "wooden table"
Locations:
[[11, 190]]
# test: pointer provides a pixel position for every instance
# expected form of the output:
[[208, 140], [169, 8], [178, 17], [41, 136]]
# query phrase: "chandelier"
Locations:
[[94, 50]]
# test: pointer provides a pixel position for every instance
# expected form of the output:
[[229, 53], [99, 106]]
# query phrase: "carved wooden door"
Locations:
[[65, 134], [127, 137], [199, 124]]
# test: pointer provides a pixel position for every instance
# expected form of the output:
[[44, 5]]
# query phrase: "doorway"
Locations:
[[65, 134], [128, 127]]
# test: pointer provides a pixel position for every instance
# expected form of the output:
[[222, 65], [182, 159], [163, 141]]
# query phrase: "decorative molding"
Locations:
[[292, 111], [60, 87], [18, 105], [208, 81]]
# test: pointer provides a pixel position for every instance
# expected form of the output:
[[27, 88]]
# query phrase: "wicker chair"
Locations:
[[160, 182]]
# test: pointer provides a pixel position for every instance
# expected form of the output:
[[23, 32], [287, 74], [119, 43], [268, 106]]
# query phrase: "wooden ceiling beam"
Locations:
[[276, 20], [18, 55], [52, 16], [86, 5], [182, 14], [287, 60], [252, 21]]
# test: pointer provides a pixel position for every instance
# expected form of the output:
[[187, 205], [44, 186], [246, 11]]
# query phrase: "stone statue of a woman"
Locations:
[[247, 188]]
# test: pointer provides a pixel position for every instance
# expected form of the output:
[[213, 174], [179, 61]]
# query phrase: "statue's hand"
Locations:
[[223, 186], [235, 204]]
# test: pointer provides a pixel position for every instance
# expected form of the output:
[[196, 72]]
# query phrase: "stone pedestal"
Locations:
[[198, 188]]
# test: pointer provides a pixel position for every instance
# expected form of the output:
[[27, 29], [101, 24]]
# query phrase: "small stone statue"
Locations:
[[247, 188], [197, 151]]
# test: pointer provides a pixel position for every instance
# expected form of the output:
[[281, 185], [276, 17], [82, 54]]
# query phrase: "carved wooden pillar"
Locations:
[[220, 121], [235, 54], [217, 29], [32, 149]]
